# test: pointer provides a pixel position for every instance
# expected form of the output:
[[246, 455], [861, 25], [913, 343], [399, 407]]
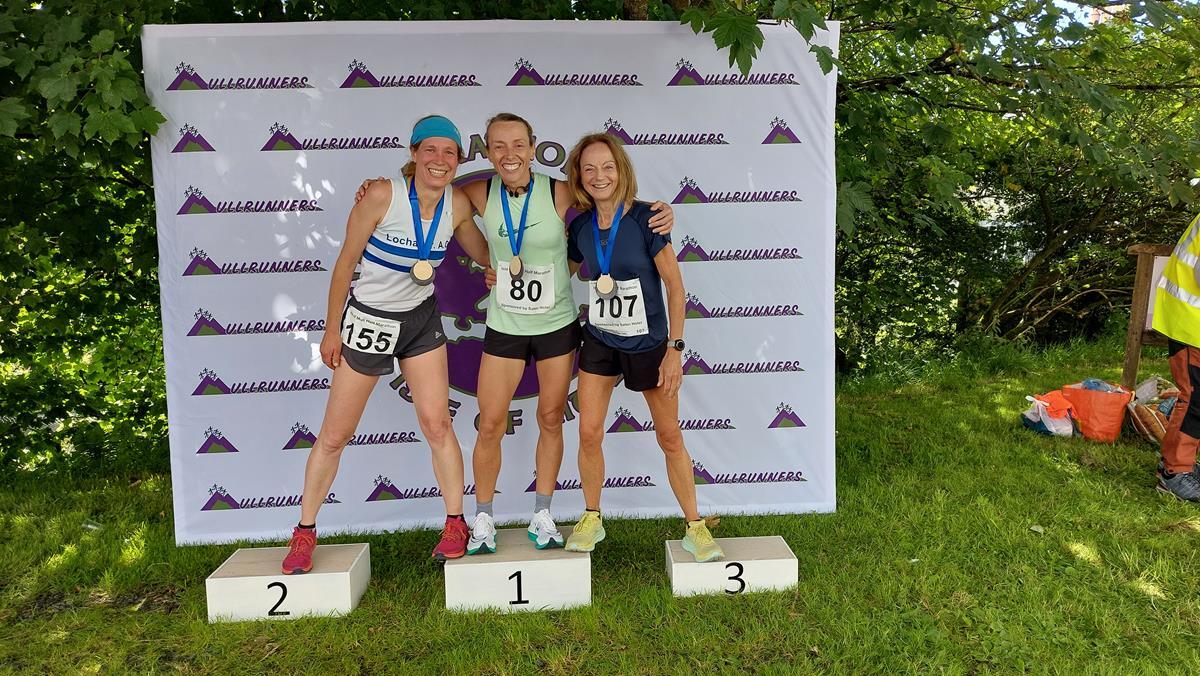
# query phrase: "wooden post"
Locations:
[[1138, 335]]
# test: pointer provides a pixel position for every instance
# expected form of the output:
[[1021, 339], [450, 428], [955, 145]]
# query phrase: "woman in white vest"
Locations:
[[532, 316], [1177, 316], [397, 235]]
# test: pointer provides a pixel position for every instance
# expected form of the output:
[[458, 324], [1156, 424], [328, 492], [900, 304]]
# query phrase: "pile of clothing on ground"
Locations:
[[1096, 409]]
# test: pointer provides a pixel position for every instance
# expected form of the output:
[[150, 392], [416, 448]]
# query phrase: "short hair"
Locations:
[[626, 179], [508, 117]]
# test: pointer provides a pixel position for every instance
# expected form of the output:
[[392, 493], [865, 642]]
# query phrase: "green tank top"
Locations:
[[544, 244]]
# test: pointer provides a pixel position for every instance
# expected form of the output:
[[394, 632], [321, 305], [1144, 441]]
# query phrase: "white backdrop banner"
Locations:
[[271, 128]]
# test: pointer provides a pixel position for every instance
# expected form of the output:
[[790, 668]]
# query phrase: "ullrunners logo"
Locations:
[[614, 129], [690, 193], [220, 499], [625, 422], [211, 383], [361, 77], [201, 265], [695, 309], [702, 477], [527, 75], [187, 79], [694, 365], [191, 141], [215, 442], [785, 417], [780, 133], [610, 482], [196, 203], [386, 490], [303, 438], [282, 139], [691, 251], [686, 75], [207, 326]]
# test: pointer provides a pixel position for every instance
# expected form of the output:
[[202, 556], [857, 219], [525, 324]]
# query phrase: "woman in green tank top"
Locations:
[[523, 322]]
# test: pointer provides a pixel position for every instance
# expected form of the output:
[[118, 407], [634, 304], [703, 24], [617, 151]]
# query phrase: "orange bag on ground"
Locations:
[[1100, 414]]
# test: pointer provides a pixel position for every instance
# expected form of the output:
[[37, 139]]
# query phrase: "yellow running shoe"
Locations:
[[700, 543], [586, 533]]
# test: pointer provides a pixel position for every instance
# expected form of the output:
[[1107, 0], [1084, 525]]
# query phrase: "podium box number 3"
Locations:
[[250, 585], [750, 565]]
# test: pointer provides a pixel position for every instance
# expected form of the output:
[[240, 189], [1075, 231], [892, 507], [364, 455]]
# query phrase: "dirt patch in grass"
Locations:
[[49, 603]]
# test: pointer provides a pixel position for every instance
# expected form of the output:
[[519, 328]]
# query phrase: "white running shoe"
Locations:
[[543, 532], [483, 535]]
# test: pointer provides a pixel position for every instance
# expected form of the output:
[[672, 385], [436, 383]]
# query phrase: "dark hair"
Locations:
[[508, 117]]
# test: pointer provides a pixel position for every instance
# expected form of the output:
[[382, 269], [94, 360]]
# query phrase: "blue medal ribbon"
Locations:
[[603, 253], [515, 239], [424, 244]]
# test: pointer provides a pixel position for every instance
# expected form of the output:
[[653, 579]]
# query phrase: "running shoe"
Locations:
[[543, 532], [483, 535], [1184, 485], [700, 543], [300, 551], [454, 540], [586, 533]]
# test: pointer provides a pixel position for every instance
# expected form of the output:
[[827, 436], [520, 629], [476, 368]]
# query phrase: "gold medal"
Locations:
[[422, 273], [605, 287], [515, 267]]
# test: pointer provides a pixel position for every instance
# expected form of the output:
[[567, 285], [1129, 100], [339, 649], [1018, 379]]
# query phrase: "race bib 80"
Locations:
[[530, 294]]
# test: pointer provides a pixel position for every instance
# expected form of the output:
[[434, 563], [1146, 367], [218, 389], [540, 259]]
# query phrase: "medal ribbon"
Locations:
[[424, 244], [604, 254], [515, 239]]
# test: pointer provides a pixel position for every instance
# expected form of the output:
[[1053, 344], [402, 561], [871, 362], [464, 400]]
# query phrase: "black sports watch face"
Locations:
[[677, 344]]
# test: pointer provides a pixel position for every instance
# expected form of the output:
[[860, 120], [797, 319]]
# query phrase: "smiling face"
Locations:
[[436, 161], [510, 150], [598, 172]]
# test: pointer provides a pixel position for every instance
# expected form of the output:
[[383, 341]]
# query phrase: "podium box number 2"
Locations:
[[250, 585], [519, 577], [750, 565]]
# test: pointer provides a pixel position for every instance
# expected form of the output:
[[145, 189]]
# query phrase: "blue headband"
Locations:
[[435, 125]]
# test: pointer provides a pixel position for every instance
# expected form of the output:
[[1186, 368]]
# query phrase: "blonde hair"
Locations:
[[626, 179], [410, 168]]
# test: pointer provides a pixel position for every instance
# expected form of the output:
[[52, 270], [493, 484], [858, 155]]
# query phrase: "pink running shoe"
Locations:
[[302, 544], [454, 540]]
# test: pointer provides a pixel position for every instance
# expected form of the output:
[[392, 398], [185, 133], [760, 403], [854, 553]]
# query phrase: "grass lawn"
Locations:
[[932, 563]]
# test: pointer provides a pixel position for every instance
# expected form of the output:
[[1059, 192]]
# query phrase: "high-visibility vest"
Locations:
[[1177, 299]]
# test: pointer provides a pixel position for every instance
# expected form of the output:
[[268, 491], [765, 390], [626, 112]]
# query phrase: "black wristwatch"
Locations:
[[677, 344]]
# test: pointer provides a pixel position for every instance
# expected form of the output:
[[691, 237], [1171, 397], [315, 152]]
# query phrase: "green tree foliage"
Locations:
[[994, 157]]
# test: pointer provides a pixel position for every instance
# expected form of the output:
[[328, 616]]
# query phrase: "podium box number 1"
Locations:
[[519, 577], [250, 585]]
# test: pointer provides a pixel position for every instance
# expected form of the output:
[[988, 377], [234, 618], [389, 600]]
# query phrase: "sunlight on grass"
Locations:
[[1148, 588], [1085, 552], [66, 556], [134, 547], [1189, 524]]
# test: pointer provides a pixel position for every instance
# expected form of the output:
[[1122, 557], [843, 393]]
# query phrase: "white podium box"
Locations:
[[519, 577], [750, 565], [250, 585]]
